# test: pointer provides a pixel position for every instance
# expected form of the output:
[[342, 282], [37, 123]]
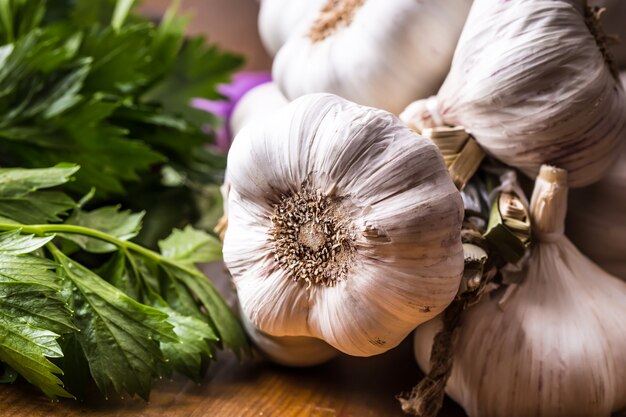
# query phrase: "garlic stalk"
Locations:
[[556, 347], [343, 225], [380, 53], [529, 82], [280, 18], [296, 351], [596, 221]]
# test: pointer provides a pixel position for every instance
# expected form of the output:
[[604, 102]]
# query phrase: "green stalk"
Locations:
[[47, 229]]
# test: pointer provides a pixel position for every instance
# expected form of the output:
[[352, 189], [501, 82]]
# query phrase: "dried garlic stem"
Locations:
[[426, 398]]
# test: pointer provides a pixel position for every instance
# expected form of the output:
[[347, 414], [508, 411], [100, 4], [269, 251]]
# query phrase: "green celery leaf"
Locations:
[[122, 275], [20, 201], [16, 182], [119, 58], [106, 157], [121, 224], [76, 375], [190, 246], [37, 207], [18, 17], [118, 335], [122, 8], [197, 71], [221, 317], [32, 313], [195, 346]]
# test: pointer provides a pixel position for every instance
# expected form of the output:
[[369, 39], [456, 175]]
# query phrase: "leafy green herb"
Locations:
[[91, 82], [128, 321], [119, 336], [32, 315], [190, 246]]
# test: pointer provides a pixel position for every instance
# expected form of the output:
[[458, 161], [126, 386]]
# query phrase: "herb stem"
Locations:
[[47, 229]]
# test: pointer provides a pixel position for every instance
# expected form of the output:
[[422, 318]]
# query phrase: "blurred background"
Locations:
[[232, 24]]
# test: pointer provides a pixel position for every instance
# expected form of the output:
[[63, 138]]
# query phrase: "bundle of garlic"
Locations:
[[529, 82], [612, 20], [279, 18], [343, 225], [381, 53], [555, 348]]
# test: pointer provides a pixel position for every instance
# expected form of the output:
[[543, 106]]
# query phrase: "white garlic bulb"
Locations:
[[342, 225], [256, 103], [612, 21], [380, 53], [557, 346], [596, 221], [280, 18], [529, 82], [296, 351]]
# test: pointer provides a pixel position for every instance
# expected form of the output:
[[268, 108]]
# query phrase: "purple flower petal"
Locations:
[[241, 83]]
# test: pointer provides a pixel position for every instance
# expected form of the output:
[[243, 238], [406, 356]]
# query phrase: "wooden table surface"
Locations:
[[345, 387]]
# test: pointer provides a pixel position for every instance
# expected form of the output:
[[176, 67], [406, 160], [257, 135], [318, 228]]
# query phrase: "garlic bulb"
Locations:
[[557, 347], [596, 221], [257, 103], [529, 82], [613, 24], [279, 18], [381, 53], [296, 351], [342, 225]]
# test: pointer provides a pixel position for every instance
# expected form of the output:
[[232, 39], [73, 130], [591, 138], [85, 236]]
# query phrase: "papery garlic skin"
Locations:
[[280, 18], [295, 351], [529, 82], [389, 53], [257, 103], [390, 206], [556, 347]]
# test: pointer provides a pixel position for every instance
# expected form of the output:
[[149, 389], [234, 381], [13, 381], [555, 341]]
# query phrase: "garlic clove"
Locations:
[[257, 103], [293, 351], [529, 82], [556, 346], [343, 225], [380, 53], [278, 19]]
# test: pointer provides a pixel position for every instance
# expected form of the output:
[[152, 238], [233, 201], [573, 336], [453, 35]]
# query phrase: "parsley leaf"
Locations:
[[93, 83], [196, 342], [190, 246], [119, 336], [21, 202], [121, 224], [32, 315]]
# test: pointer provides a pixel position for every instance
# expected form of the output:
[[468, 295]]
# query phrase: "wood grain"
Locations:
[[345, 387]]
